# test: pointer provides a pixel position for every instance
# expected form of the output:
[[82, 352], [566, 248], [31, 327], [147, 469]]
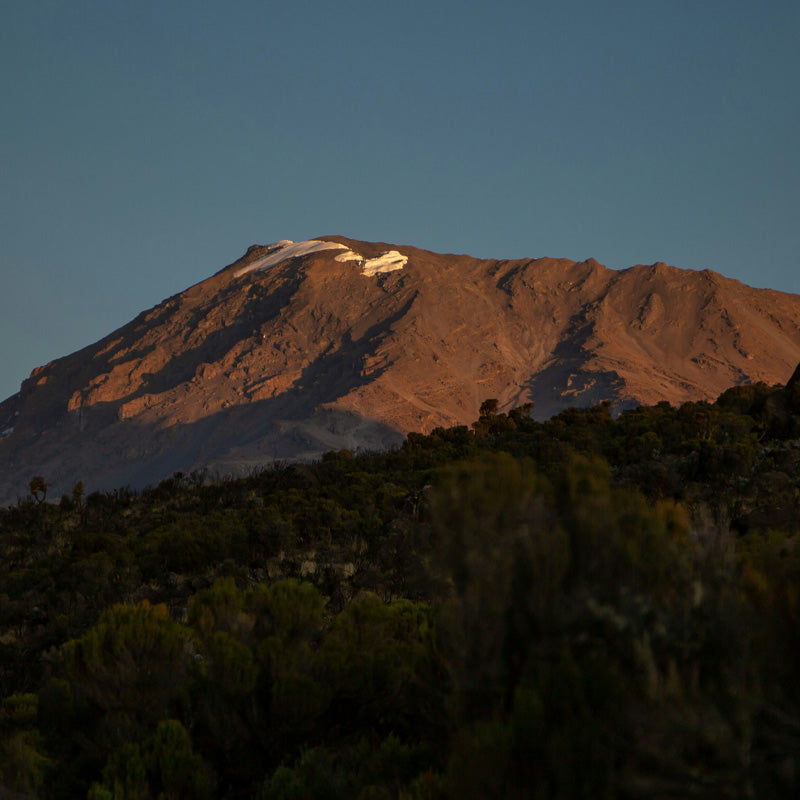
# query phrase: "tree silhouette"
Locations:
[[38, 489]]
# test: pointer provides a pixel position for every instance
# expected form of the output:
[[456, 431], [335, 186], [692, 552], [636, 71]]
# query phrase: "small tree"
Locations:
[[77, 494], [38, 489], [488, 408]]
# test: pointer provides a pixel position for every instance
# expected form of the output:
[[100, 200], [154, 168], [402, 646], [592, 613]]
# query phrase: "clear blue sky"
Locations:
[[144, 145]]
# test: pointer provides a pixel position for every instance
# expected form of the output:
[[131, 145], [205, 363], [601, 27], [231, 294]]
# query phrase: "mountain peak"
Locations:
[[301, 347]]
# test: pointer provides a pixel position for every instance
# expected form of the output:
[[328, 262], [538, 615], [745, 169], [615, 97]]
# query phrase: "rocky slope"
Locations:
[[299, 348]]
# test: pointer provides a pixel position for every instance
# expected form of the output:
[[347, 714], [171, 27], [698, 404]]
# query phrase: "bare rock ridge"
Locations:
[[302, 347]]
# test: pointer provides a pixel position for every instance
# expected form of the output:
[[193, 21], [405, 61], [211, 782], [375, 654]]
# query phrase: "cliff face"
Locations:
[[299, 348]]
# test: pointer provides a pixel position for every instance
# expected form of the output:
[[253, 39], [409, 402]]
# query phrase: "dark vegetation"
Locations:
[[588, 607]]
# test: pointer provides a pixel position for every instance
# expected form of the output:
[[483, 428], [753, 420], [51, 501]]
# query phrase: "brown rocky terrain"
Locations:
[[326, 350]]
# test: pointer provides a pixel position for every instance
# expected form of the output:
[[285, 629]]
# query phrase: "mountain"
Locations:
[[299, 348]]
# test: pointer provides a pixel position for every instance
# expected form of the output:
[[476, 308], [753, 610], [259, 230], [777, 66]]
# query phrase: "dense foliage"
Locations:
[[586, 607]]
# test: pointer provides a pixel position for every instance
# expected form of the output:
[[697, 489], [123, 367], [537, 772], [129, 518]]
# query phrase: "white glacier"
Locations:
[[286, 249], [385, 262]]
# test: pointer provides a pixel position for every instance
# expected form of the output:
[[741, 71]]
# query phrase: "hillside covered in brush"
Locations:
[[584, 607]]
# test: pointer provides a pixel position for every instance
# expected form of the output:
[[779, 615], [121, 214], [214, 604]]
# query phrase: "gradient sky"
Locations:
[[144, 145]]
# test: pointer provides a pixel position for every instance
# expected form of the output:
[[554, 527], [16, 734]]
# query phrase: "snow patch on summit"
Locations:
[[286, 249], [385, 262], [349, 256]]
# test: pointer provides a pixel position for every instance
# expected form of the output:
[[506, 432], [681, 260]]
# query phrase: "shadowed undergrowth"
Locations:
[[587, 607]]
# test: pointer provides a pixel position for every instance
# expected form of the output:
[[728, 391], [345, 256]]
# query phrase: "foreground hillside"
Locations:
[[581, 608], [299, 348]]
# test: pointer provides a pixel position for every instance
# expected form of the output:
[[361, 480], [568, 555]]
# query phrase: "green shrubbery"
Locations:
[[587, 607]]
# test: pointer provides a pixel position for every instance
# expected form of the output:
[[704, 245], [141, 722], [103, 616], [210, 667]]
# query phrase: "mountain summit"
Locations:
[[301, 347]]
